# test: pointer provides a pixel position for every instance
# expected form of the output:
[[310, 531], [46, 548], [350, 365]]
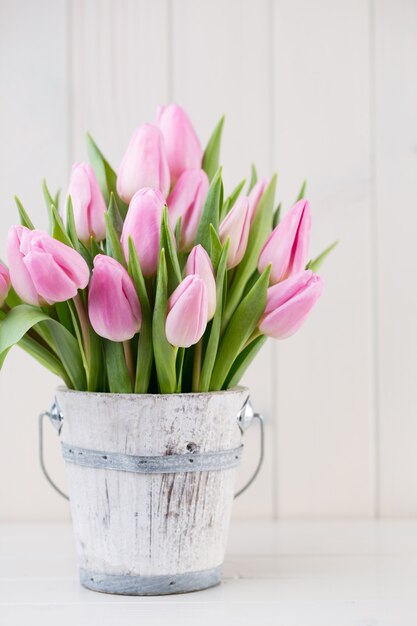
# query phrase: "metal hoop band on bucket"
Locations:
[[191, 462]]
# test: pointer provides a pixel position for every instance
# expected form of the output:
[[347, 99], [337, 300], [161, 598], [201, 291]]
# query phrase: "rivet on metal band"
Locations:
[[192, 462]]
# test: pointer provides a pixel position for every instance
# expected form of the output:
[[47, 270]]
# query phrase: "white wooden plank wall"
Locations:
[[322, 90], [395, 135]]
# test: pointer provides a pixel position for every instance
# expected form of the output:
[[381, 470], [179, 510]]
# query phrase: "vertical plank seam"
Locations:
[[170, 50], [274, 360], [375, 453]]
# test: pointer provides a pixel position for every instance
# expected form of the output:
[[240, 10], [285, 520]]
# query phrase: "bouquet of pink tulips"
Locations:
[[151, 280]]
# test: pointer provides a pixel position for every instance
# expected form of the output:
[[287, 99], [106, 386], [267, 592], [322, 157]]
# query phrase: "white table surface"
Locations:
[[352, 573]]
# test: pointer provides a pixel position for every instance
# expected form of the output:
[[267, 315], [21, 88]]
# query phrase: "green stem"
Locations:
[[256, 333], [127, 348], [197, 365], [84, 323]]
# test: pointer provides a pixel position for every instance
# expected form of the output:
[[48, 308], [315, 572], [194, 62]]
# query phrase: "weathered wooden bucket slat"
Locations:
[[151, 483]]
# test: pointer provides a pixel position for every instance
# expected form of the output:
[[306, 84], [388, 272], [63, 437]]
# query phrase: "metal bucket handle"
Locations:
[[245, 418]]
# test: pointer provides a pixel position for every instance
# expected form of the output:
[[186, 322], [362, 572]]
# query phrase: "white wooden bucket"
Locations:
[[151, 484]]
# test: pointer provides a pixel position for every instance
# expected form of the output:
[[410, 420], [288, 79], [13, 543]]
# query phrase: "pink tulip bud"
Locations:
[[187, 312], [289, 304], [87, 202], [4, 283], [143, 224], [113, 305], [42, 269], [144, 163], [287, 246], [255, 196], [183, 147], [236, 226], [186, 201], [199, 263]]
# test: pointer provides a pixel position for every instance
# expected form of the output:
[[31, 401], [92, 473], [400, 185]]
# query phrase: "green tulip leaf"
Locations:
[[277, 216], [144, 359], [236, 192], [317, 262], [230, 200], [66, 347], [58, 229], [214, 337], [117, 371], [177, 232], [16, 324], [165, 354], [168, 244], [24, 317], [113, 245], [253, 178], [215, 247], [227, 205], [49, 201], [242, 361], [71, 228], [211, 157], [44, 357], [211, 211], [13, 299], [240, 328], [39, 352], [57, 198], [114, 215], [106, 176], [301, 193], [72, 234], [179, 367], [260, 230], [24, 217]]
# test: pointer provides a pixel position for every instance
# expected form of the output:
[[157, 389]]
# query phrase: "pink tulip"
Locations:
[[42, 269], [255, 196], [4, 283], [187, 312], [182, 144], [236, 226], [289, 304], [287, 246], [199, 263], [186, 201], [143, 224], [87, 202], [113, 305], [144, 163]]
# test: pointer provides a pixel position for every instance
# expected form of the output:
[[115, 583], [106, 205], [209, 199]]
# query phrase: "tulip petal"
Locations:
[[289, 314], [143, 224], [287, 246], [50, 280], [236, 226], [68, 259], [144, 163], [187, 313], [113, 305], [186, 201], [255, 196], [79, 190], [182, 145], [199, 263], [19, 275]]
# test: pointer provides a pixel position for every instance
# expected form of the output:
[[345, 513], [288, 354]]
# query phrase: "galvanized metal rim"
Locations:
[[150, 585], [172, 463]]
